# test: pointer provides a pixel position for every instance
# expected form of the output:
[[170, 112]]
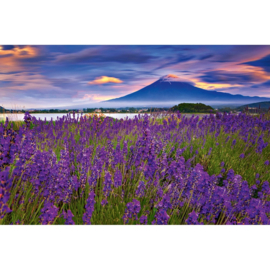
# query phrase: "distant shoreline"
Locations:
[[55, 116], [110, 113]]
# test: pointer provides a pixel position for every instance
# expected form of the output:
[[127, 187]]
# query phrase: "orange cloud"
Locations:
[[256, 75], [172, 76], [20, 52], [212, 86], [105, 79], [10, 59]]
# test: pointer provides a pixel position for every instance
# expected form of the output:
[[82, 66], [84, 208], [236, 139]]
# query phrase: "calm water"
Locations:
[[55, 116]]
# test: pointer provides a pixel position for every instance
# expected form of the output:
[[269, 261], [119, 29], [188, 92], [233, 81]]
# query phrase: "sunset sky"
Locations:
[[66, 75]]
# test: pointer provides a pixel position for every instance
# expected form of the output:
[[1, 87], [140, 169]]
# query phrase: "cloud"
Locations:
[[221, 77], [105, 79], [7, 47], [207, 56], [97, 97], [263, 63], [238, 53], [213, 86], [265, 84], [13, 56], [68, 72], [18, 51], [118, 54], [177, 60], [242, 77], [172, 76], [26, 81]]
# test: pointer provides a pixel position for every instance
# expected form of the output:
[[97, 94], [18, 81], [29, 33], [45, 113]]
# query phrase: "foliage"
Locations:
[[192, 108], [146, 170]]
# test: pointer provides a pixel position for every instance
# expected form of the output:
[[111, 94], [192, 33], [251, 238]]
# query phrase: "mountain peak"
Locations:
[[169, 77], [173, 89], [174, 78]]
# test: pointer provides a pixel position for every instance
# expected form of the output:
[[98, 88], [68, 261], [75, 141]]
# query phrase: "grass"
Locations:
[[26, 207], [223, 152]]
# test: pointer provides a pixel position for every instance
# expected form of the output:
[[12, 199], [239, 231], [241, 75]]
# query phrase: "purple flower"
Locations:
[[193, 218], [107, 184], [68, 217], [171, 180], [140, 190], [254, 187], [48, 213], [4, 209], [132, 210], [5, 187], [143, 220], [27, 119], [165, 203], [161, 217], [89, 208], [117, 179]]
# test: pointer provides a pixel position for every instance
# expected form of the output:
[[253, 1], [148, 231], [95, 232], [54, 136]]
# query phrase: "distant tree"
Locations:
[[192, 108], [132, 110], [2, 109]]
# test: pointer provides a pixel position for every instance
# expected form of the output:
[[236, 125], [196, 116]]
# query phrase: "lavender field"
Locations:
[[145, 170]]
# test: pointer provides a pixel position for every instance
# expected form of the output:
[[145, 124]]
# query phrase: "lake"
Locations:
[[55, 116]]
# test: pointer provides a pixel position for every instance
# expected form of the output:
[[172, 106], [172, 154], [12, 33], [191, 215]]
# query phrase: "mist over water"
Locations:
[[149, 104], [165, 104], [155, 104], [55, 116]]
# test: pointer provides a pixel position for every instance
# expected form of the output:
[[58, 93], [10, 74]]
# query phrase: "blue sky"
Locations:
[[66, 75]]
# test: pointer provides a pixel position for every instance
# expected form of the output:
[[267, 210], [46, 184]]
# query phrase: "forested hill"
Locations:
[[192, 108], [261, 105]]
